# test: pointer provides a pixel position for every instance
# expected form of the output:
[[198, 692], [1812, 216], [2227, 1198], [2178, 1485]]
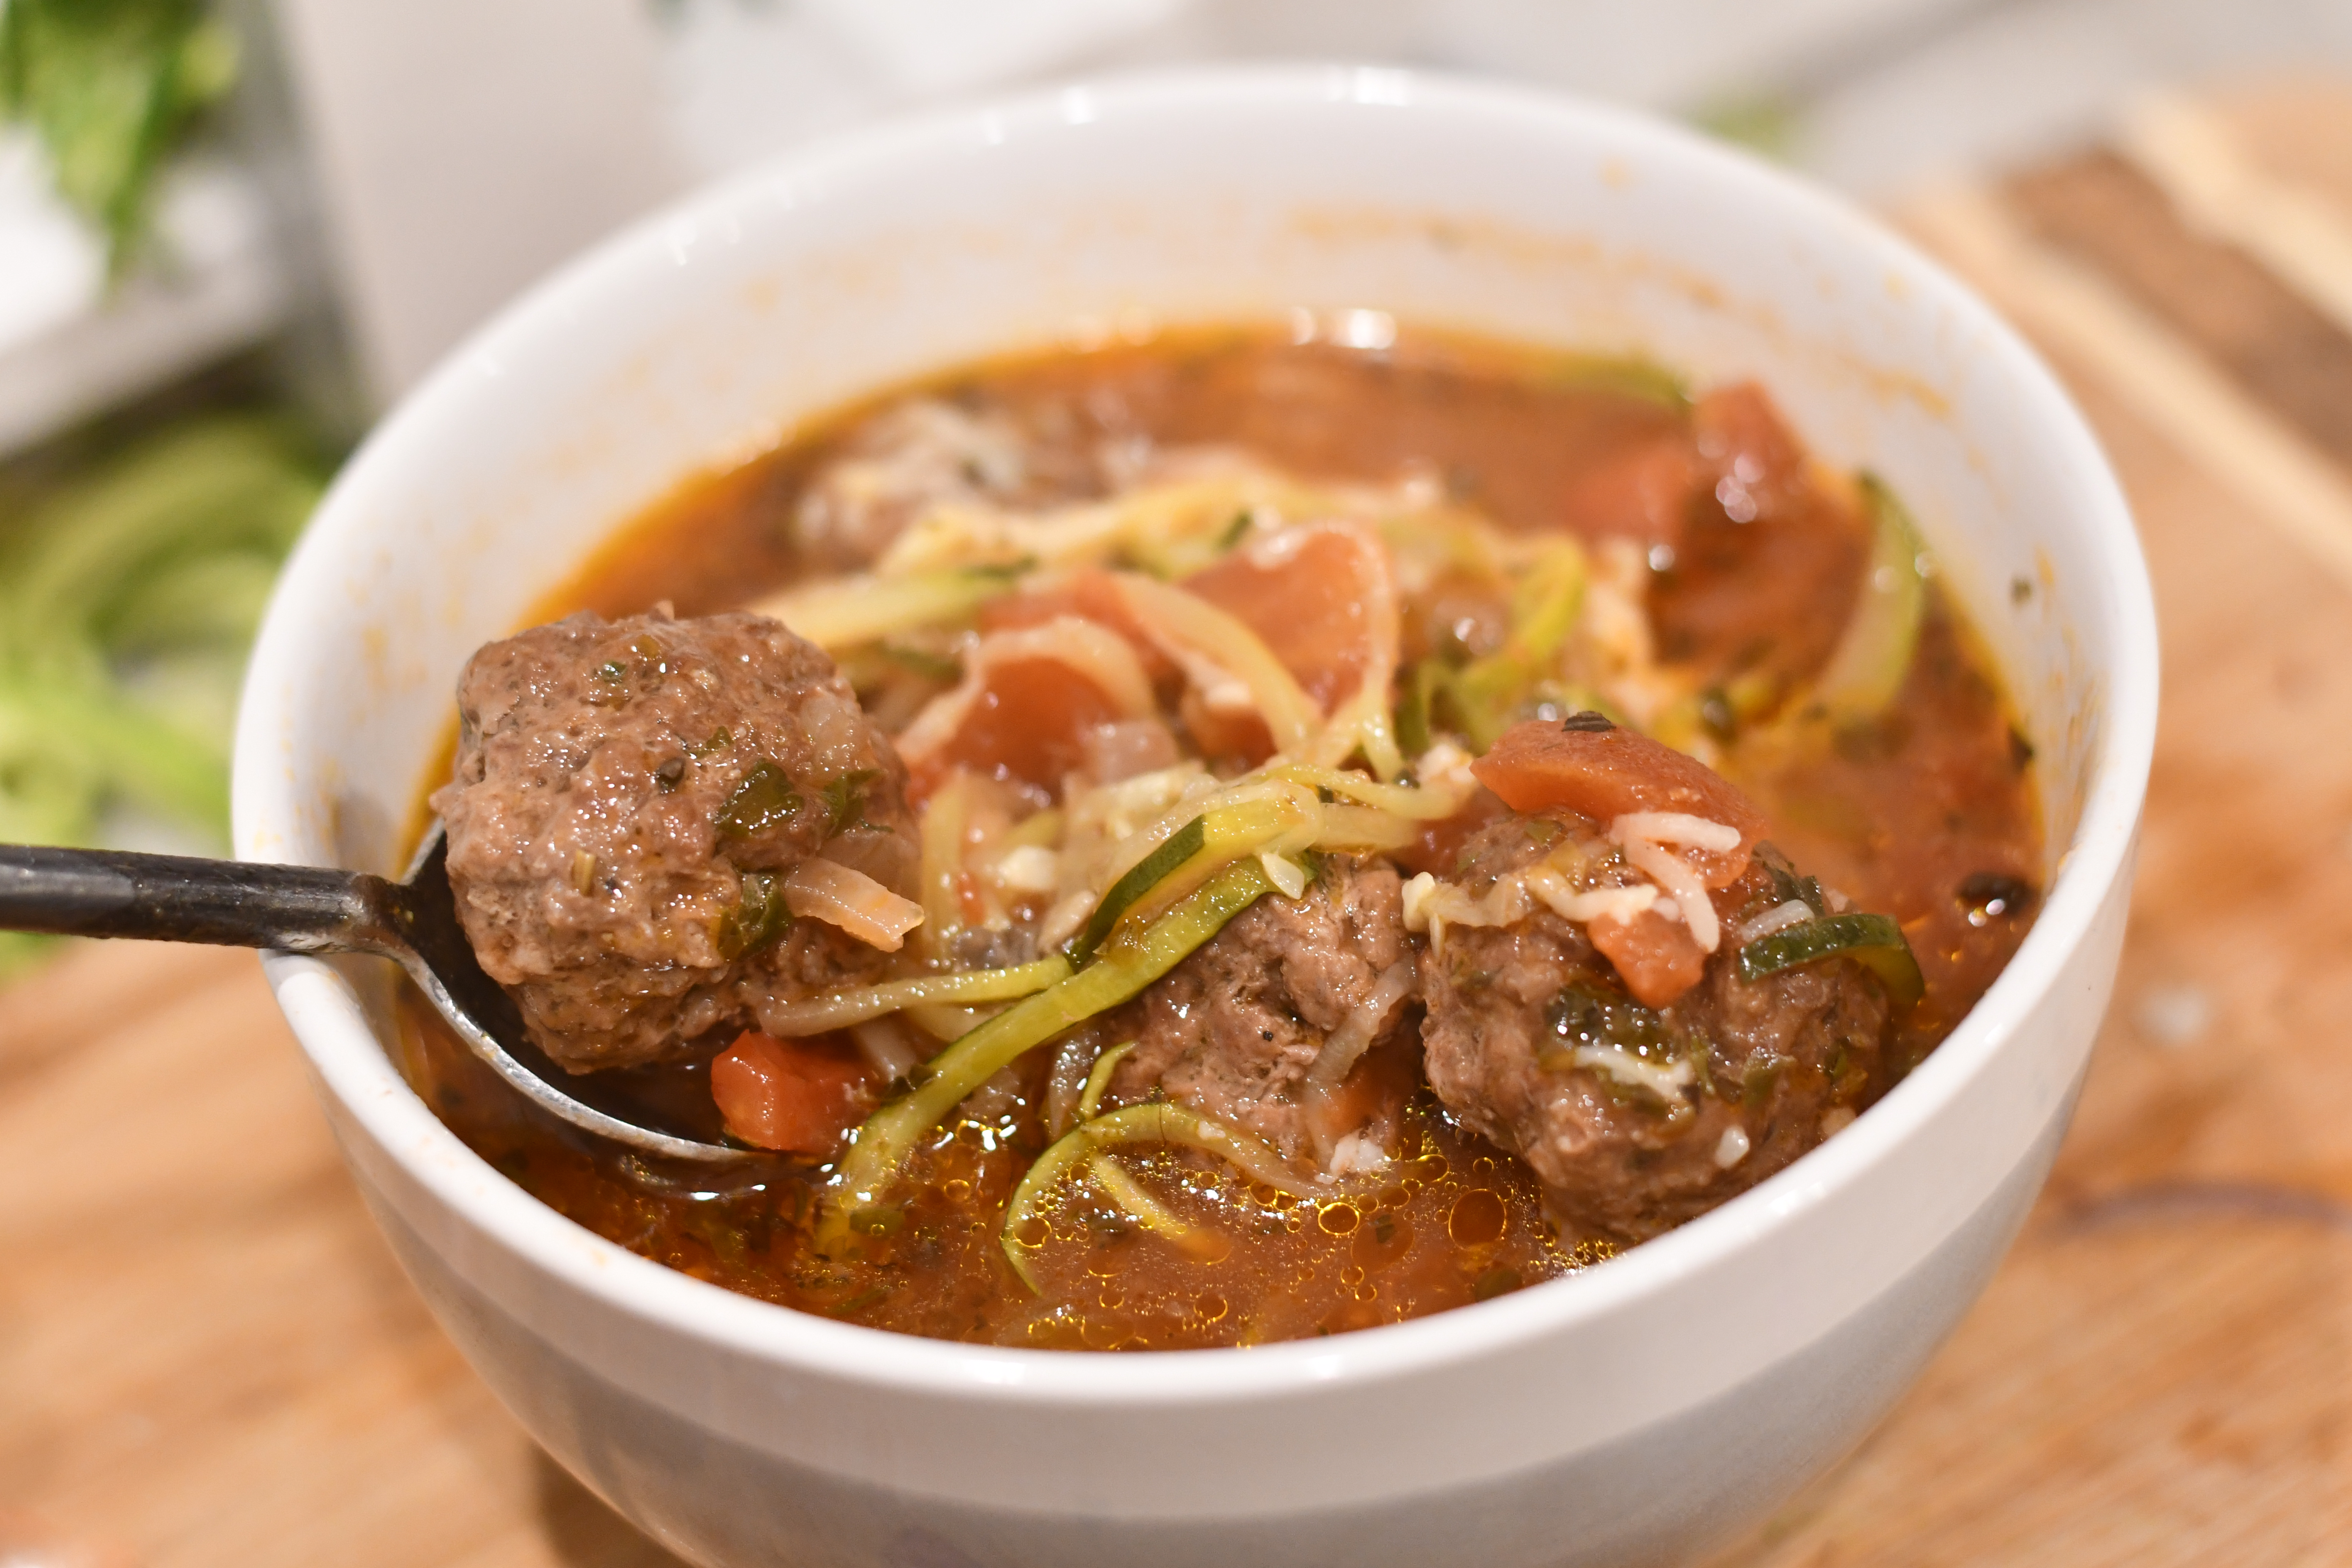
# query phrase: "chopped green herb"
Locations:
[[1234, 530], [844, 801], [764, 798], [758, 918], [1593, 1015], [1786, 884]]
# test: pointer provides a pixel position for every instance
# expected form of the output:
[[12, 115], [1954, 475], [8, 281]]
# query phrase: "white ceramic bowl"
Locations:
[[1628, 1414]]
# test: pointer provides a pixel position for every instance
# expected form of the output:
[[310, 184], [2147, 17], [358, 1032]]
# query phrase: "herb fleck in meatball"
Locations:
[[628, 798]]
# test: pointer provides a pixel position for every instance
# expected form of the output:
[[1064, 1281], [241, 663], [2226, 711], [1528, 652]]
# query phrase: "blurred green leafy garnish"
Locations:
[[110, 86]]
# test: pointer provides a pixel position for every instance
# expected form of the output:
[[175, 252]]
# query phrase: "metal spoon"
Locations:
[[310, 909]]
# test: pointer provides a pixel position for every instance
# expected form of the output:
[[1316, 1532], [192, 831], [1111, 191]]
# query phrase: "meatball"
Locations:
[[1636, 1119], [931, 453], [628, 798], [1234, 1031]]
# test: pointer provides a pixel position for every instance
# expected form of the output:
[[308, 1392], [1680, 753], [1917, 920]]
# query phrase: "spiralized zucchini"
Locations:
[[1210, 643], [1867, 668], [843, 612], [1127, 963], [840, 1009], [1158, 1122], [1873, 941], [1098, 1081], [1487, 693]]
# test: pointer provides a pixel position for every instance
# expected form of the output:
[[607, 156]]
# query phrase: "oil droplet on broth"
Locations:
[[1477, 1218]]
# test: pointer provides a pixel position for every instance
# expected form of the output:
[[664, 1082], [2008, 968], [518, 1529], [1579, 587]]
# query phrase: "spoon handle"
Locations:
[[175, 898]]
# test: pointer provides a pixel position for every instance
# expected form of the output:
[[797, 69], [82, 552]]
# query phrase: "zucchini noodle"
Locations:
[[1357, 827], [1435, 800], [840, 1009], [1171, 527], [1127, 964], [1867, 667], [1279, 824], [941, 830], [1098, 1081], [843, 612], [1159, 1122], [1115, 1183], [1192, 631], [1346, 1043]]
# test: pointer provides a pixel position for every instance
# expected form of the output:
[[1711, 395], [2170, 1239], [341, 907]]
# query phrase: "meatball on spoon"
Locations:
[[317, 910]]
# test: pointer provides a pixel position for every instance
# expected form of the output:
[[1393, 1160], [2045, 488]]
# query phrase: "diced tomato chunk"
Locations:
[[1642, 493], [1657, 957], [1090, 594], [1029, 722], [800, 1096], [1243, 736], [1741, 433], [1318, 602], [1542, 766]]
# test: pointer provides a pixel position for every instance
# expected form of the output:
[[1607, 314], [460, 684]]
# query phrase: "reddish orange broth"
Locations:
[[1897, 815]]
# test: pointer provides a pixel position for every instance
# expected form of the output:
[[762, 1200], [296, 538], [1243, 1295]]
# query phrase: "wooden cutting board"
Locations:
[[207, 1356]]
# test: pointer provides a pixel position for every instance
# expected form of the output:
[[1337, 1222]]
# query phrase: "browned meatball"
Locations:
[[1234, 1031], [628, 797], [1746, 1072]]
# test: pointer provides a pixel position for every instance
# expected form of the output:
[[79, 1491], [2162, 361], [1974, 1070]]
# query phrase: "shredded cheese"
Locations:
[[1029, 868], [1676, 827], [1667, 1082], [1779, 916]]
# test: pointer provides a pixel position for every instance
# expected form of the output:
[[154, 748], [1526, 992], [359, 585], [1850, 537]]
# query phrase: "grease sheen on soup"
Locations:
[[1606, 804]]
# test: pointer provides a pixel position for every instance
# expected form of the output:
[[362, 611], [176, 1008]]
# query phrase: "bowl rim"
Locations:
[[352, 1065]]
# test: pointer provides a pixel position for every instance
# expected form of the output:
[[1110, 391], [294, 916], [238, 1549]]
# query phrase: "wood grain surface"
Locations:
[[207, 1356]]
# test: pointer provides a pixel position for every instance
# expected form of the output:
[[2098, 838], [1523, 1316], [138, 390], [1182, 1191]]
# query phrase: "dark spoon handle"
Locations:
[[175, 898]]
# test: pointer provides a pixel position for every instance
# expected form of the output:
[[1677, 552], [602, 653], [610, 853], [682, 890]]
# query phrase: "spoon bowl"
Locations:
[[316, 909]]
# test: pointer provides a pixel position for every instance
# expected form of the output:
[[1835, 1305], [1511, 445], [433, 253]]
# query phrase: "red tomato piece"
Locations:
[[1643, 493], [1028, 723], [800, 1096], [1314, 604], [1243, 736], [1090, 594], [1654, 956], [1541, 767], [1742, 435]]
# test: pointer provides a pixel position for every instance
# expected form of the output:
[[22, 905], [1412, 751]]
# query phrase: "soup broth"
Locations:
[[1736, 570]]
